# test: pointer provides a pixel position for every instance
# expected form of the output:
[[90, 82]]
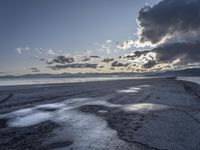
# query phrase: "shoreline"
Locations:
[[78, 82]]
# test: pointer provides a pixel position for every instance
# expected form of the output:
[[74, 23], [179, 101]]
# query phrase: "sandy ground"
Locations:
[[143, 114]]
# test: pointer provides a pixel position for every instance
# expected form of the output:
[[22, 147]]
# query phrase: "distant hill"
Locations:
[[182, 73], [77, 75]]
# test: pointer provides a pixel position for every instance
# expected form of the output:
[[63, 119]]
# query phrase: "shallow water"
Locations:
[[130, 90], [191, 79], [58, 112], [32, 119], [55, 112], [32, 81]]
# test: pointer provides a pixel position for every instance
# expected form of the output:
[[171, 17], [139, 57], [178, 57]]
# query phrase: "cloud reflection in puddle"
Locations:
[[133, 89], [145, 107]]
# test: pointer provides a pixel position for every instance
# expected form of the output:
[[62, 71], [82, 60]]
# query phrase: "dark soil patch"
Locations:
[[124, 98], [125, 123], [26, 138], [3, 123], [57, 145], [10, 95]]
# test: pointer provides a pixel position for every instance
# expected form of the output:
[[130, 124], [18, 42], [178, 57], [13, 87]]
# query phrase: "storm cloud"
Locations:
[[136, 54], [185, 52], [173, 27], [170, 20]]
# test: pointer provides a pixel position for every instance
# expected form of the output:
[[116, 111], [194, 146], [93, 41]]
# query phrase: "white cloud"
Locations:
[[88, 52], [21, 49], [108, 51], [50, 52], [125, 45], [105, 48], [108, 41]]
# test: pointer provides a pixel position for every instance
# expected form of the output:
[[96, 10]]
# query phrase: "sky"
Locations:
[[54, 36]]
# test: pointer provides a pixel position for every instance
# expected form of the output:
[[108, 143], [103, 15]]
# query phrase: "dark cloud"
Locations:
[[85, 59], [95, 57], [135, 55], [42, 59], [100, 66], [186, 52], [76, 65], [170, 18], [107, 60], [150, 64], [174, 25], [118, 64], [61, 60]]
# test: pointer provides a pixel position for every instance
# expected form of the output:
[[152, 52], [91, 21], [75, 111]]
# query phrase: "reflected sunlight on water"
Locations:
[[31, 81]]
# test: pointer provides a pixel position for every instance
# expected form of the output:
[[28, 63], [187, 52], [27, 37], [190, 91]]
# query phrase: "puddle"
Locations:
[[86, 130], [53, 105], [52, 112], [58, 112], [102, 111], [144, 86], [133, 89], [145, 107], [50, 107], [130, 90], [29, 120]]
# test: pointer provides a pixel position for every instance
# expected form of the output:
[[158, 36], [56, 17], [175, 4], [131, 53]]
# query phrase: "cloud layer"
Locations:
[[173, 27], [185, 52], [169, 20], [61, 60], [75, 65]]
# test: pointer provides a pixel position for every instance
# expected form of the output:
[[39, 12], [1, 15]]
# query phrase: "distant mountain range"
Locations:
[[183, 73], [77, 75]]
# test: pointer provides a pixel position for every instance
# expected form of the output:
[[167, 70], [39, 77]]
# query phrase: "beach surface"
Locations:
[[132, 114]]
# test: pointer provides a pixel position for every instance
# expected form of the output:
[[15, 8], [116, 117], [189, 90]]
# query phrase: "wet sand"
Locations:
[[142, 114]]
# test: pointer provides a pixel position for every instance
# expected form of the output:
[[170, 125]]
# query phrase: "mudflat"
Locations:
[[142, 114]]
